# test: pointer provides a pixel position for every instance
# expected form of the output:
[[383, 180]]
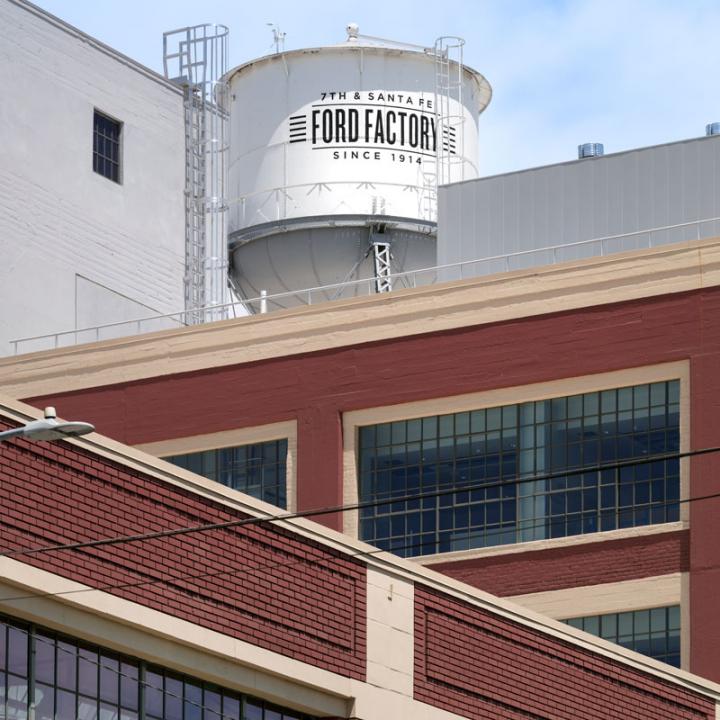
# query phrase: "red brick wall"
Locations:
[[588, 564], [316, 389], [479, 665], [256, 583]]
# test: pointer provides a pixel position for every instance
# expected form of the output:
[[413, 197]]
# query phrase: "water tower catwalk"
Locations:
[[336, 154]]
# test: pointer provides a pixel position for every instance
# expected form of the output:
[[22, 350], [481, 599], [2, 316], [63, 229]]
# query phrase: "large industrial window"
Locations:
[[654, 632], [474, 471], [106, 146], [258, 470], [65, 679]]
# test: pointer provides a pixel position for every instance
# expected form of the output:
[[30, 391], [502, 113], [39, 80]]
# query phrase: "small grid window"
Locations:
[[654, 632], [258, 470], [67, 680], [476, 469], [106, 147]]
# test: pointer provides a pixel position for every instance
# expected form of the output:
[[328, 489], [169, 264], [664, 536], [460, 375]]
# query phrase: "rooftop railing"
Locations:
[[520, 260]]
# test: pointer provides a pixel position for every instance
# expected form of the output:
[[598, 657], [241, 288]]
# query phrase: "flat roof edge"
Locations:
[[505, 297], [597, 158]]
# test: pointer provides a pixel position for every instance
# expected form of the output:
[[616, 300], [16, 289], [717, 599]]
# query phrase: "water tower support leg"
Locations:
[[382, 259]]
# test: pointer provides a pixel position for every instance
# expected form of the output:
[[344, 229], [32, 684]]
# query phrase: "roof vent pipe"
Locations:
[[587, 150], [712, 129]]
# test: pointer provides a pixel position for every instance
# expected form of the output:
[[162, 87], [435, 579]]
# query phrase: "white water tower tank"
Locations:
[[331, 145]]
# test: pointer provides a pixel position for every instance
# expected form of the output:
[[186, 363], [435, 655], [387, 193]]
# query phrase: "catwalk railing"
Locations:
[[521, 260]]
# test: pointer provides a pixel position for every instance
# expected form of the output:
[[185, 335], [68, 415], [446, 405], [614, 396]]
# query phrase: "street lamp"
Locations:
[[48, 428]]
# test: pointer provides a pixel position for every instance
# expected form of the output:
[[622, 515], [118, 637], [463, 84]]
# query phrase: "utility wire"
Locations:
[[273, 566], [458, 487], [323, 511]]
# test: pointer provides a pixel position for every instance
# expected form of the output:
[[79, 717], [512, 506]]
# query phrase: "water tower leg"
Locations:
[[382, 259]]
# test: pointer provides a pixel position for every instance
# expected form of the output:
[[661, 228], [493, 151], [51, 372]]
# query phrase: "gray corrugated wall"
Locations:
[[597, 197]]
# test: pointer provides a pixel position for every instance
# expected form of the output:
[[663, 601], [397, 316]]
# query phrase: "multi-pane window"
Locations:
[[67, 680], [521, 472], [106, 146], [258, 470], [654, 632]]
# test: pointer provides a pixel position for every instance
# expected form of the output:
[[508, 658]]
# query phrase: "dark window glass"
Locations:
[[17, 662], [88, 672], [153, 695], [129, 687], [17, 697], [87, 707], [109, 679], [258, 470], [654, 632], [193, 702], [173, 698], [79, 681], [253, 711], [44, 700], [66, 705], [231, 708], [481, 455], [213, 705], [44, 659], [106, 146], [66, 665]]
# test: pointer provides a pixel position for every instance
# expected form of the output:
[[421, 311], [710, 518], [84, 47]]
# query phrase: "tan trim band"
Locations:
[[587, 600], [595, 281]]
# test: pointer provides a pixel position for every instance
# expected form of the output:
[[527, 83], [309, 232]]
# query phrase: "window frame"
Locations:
[[352, 421], [578, 622], [88, 654], [233, 438], [121, 143], [614, 597]]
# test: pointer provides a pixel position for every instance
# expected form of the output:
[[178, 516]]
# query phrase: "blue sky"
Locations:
[[628, 74]]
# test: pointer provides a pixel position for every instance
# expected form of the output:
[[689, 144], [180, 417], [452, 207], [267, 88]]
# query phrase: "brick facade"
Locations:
[[604, 561], [480, 665], [315, 390], [257, 583]]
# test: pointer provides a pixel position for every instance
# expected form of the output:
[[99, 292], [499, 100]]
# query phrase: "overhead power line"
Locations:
[[362, 553], [256, 520], [273, 566]]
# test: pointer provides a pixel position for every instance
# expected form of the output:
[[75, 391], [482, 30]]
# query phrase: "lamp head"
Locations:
[[48, 428]]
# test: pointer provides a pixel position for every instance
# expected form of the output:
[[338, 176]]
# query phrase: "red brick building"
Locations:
[[544, 436], [133, 589]]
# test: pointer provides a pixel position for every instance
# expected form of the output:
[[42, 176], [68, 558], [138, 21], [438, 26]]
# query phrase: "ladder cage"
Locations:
[[448, 165], [449, 109], [196, 57]]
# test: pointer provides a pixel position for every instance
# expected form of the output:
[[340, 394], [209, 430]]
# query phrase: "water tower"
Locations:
[[335, 158]]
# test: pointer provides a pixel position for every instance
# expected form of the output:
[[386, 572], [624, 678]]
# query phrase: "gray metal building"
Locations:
[[592, 206]]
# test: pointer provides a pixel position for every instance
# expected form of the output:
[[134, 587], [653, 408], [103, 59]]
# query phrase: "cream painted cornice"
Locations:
[[596, 281]]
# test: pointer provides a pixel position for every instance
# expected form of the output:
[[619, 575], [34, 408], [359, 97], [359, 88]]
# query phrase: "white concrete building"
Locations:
[[78, 248]]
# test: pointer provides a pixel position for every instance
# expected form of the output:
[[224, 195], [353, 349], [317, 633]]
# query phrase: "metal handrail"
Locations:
[[408, 278]]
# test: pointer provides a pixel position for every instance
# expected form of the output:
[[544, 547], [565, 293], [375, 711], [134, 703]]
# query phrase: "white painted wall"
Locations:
[[77, 249]]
